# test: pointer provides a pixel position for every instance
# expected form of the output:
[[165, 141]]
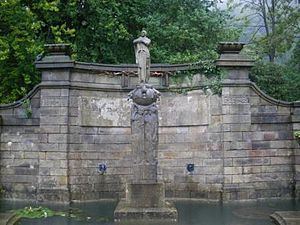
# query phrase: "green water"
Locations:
[[190, 213]]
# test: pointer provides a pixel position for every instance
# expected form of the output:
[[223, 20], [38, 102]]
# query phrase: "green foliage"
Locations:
[[279, 81], [27, 108], [297, 134], [295, 58], [105, 30], [186, 30], [25, 26], [212, 73], [39, 212], [42, 212], [18, 47]]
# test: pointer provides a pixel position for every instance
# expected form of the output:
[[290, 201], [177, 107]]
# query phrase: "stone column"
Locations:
[[236, 112], [145, 196], [143, 189], [53, 182], [296, 127]]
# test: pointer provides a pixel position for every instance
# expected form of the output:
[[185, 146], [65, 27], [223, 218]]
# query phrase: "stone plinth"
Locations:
[[145, 202], [125, 211], [145, 195]]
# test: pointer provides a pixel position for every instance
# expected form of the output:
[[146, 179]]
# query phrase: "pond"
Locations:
[[190, 213]]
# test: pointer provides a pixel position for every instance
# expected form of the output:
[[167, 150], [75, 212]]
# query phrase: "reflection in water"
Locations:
[[190, 213]]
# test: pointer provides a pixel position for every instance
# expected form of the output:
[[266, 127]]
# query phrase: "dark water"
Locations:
[[190, 213]]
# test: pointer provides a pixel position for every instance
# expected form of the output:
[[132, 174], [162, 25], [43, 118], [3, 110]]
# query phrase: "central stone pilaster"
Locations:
[[145, 196], [144, 131]]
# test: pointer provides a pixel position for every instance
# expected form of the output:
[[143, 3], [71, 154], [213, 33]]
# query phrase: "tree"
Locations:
[[105, 30], [277, 23], [186, 30], [180, 30], [102, 31], [25, 26]]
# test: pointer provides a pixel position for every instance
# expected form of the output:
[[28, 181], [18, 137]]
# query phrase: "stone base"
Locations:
[[286, 217], [145, 195], [125, 212]]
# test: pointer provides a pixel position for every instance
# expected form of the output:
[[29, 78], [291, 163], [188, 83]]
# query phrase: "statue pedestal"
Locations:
[[145, 196], [145, 201]]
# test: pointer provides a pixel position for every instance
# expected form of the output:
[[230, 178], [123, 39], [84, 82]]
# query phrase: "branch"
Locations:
[[252, 3], [254, 34]]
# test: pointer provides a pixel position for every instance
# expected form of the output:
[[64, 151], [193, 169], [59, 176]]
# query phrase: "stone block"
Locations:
[[57, 138], [281, 160], [50, 129], [240, 109], [54, 101], [53, 120], [214, 179], [50, 92], [267, 109], [56, 75], [233, 136], [212, 162], [236, 119], [261, 145]]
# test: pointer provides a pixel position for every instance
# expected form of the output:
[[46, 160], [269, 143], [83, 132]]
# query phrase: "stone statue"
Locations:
[[142, 57], [145, 195]]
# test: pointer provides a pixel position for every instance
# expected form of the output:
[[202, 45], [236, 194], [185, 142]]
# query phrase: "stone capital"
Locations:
[[230, 56]]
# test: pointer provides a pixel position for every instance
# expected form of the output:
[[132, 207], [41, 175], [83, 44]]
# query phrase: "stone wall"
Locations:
[[241, 143]]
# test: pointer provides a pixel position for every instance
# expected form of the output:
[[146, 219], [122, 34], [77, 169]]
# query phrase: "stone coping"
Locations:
[[99, 87], [286, 217], [114, 67], [8, 218]]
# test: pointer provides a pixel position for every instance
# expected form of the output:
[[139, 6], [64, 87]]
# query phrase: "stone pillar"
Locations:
[[296, 127], [144, 131], [145, 196], [236, 112], [53, 180], [144, 141]]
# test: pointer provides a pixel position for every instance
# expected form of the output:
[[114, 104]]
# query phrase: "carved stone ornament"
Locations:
[[144, 95]]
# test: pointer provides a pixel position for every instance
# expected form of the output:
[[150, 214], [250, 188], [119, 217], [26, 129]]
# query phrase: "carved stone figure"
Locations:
[[142, 56]]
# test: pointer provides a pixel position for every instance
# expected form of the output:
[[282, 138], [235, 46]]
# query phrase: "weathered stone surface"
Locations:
[[104, 111], [194, 111], [81, 118], [115, 111]]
